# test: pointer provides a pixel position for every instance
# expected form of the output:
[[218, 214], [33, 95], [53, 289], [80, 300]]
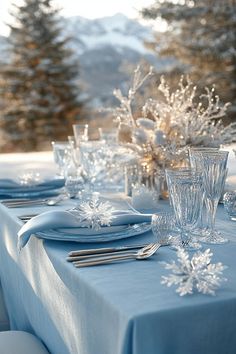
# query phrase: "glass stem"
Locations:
[[211, 213], [185, 238]]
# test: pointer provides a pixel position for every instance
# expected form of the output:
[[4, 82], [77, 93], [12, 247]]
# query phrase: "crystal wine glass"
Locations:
[[185, 192], [80, 132], [62, 155], [195, 164], [214, 175], [91, 155]]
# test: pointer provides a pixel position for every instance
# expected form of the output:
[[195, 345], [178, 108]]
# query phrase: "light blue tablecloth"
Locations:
[[113, 309]]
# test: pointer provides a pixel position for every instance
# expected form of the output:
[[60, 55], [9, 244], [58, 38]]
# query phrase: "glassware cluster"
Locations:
[[92, 160]]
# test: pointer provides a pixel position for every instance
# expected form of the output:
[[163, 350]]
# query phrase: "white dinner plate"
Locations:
[[128, 231]]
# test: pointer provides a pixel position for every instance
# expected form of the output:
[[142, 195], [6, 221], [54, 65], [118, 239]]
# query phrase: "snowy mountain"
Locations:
[[118, 31], [108, 49]]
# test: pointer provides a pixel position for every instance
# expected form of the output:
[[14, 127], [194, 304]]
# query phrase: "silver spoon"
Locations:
[[144, 253]]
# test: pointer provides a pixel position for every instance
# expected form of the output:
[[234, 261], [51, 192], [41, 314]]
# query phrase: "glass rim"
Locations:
[[212, 152], [62, 142], [195, 148]]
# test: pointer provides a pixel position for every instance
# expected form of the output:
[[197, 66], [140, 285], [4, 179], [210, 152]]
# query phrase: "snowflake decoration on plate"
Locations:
[[197, 273], [94, 213]]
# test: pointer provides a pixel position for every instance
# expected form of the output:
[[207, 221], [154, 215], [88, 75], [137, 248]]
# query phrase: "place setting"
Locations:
[[29, 185]]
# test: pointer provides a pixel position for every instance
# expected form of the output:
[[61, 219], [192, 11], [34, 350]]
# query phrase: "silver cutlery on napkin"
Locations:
[[141, 254]]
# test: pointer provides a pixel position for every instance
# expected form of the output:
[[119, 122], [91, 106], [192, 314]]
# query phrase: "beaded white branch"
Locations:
[[168, 124]]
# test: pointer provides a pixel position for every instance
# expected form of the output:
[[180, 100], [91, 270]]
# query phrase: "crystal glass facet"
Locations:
[[214, 169], [62, 155], [185, 191], [92, 157], [162, 227], [195, 163], [230, 204]]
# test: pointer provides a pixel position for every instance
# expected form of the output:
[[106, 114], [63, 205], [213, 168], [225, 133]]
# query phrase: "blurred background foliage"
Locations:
[[41, 91], [201, 36]]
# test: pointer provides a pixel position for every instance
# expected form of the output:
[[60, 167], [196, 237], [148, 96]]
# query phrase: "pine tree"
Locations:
[[38, 87], [202, 36]]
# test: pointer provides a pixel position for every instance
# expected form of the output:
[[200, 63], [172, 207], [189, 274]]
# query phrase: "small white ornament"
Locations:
[[145, 123], [197, 273], [140, 136]]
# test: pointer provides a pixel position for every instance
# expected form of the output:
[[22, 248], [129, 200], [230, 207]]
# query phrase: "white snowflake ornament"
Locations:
[[197, 273], [94, 213]]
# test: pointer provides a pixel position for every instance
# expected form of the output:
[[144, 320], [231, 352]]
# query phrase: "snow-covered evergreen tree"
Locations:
[[202, 36], [38, 87]]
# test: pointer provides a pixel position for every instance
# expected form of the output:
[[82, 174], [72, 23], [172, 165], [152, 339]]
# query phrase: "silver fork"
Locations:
[[143, 253]]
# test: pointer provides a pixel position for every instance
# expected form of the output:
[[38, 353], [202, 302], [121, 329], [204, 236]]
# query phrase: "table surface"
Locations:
[[114, 309]]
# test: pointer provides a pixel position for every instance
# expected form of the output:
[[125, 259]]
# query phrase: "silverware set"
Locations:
[[93, 257], [22, 203]]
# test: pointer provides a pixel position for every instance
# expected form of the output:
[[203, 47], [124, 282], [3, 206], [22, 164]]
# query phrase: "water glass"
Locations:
[[92, 157], [146, 189], [74, 184], [80, 132], [229, 201], [62, 155], [131, 178], [196, 164], [162, 227], [185, 192], [109, 135]]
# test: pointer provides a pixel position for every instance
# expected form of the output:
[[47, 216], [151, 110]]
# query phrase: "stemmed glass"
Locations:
[[91, 154], [213, 165], [195, 164], [62, 155], [80, 132], [185, 191]]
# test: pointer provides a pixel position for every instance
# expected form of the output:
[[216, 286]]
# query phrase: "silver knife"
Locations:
[[94, 251], [104, 254]]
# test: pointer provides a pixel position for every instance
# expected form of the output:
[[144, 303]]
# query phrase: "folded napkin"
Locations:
[[65, 219], [11, 186]]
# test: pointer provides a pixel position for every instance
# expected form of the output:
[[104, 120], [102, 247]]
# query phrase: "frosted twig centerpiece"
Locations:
[[197, 273], [162, 128]]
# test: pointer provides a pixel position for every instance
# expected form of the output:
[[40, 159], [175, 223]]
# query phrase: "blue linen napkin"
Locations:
[[10, 186], [65, 219]]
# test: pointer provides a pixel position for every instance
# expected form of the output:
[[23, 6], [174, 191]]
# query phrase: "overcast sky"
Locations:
[[86, 8]]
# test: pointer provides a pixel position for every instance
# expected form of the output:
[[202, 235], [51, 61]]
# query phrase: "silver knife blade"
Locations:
[[19, 200], [97, 255], [103, 250]]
